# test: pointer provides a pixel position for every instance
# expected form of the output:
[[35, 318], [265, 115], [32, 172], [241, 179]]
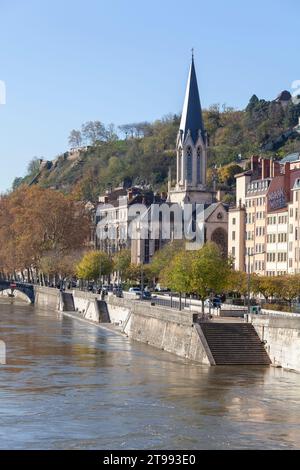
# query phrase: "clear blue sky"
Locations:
[[68, 61]]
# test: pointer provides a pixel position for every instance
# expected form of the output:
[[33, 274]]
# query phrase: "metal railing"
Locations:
[[167, 302]]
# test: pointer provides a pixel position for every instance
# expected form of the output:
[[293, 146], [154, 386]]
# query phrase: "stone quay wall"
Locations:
[[175, 331], [281, 335], [160, 327]]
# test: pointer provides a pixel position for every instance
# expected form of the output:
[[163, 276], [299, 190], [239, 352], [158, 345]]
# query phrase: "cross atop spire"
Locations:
[[191, 119]]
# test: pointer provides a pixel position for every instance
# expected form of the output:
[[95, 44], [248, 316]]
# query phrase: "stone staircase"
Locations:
[[103, 311], [233, 344], [67, 302]]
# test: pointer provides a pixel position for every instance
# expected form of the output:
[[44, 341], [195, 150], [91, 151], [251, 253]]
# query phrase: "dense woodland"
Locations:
[[141, 153]]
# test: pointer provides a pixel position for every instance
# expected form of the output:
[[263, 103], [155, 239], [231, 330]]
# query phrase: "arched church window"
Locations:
[[179, 165], [199, 165], [189, 164]]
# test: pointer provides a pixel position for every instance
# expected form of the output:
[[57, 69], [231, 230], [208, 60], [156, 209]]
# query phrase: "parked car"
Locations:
[[159, 288], [107, 287], [146, 295], [135, 290], [118, 291]]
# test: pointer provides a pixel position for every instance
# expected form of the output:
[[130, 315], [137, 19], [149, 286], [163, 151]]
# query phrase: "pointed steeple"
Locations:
[[191, 119]]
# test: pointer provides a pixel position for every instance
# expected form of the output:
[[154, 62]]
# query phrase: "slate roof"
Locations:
[[212, 207], [191, 119], [292, 157]]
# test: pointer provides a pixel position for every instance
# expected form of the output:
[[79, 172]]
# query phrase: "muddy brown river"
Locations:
[[71, 385]]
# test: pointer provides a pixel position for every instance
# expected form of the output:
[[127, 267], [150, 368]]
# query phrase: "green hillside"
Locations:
[[142, 153]]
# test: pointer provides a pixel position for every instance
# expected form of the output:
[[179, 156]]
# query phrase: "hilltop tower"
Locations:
[[191, 148]]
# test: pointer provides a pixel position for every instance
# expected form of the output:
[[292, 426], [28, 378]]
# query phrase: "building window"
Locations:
[[189, 164], [233, 251], [233, 221], [179, 165], [147, 252], [198, 165], [233, 235]]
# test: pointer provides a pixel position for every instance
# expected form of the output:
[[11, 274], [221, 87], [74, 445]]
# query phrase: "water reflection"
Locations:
[[71, 385]]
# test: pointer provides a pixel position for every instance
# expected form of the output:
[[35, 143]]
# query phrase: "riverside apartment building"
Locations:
[[264, 226]]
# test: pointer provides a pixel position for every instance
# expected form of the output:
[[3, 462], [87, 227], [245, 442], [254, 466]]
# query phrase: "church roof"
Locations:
[[208, 211], [191, 119]]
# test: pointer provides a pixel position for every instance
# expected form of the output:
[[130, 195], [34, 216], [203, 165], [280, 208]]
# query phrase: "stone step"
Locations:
[[234, 343]]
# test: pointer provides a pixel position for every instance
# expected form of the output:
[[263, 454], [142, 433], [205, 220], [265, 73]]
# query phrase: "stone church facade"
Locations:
[[191, 187]]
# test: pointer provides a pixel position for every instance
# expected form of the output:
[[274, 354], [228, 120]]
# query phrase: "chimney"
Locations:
[[254, 162], [287, 180], [220, 195], [276, 166], [265, 168], [130, 194], [274, 169]]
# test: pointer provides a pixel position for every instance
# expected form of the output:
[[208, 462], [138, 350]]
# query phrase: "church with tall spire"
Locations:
[[190, 188], [191, 150]]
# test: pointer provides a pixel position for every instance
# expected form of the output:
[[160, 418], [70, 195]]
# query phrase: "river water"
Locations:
[[71, 385]]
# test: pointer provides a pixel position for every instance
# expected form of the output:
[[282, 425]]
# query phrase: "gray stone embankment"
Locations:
[[175, 331], [281, 335], [47, 298], [160, 327]]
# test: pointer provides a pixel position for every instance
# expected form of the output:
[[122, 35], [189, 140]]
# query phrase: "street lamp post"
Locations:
[[100, 270], [142, 281]]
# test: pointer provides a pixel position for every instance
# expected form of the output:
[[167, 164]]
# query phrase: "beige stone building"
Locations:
[[264, 225]]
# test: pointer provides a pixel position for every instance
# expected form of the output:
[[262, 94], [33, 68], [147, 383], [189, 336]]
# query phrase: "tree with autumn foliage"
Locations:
[[268, 286], [162, 257], [53, 265], [177, 272], [202, 271], [210, 271], [288, 287], [94, 265], [139, 273], [237, 282], [37, 223], [122, 261]]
